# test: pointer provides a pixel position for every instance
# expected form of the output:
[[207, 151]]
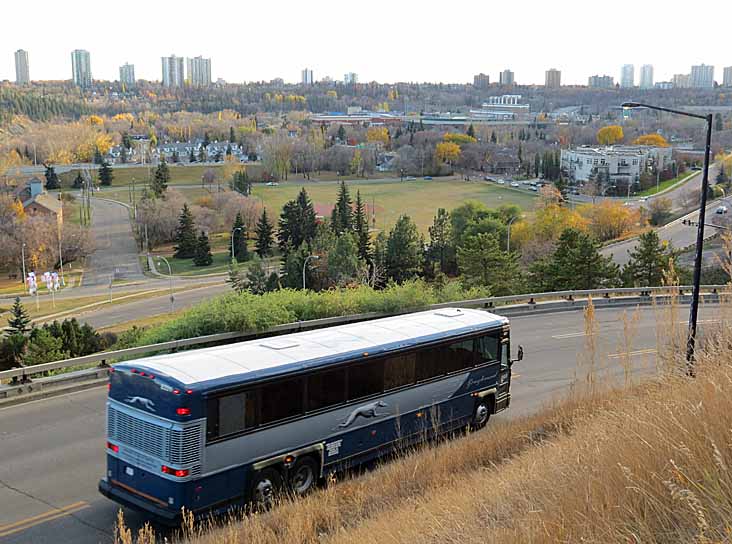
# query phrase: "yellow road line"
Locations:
[[27, 523], [568, 335], [649, 351]]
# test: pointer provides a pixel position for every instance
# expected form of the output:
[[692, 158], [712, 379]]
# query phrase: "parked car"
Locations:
[[427, 178], [410, 178], [721, 210], [501, 182], [534, 188], [272, 183], [514, 184]]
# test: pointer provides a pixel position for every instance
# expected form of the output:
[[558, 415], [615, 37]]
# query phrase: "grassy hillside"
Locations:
[[634, 463]]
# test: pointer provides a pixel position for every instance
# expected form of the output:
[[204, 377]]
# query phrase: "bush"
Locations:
[[247, 312]]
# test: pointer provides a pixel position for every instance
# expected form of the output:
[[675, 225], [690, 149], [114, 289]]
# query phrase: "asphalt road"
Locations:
[[53, 450], [116, 252]]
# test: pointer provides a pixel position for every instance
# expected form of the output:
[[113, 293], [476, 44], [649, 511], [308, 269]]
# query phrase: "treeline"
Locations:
[[39, 107], [24, 344]]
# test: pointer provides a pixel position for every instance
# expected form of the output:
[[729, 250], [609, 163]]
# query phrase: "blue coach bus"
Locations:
[[224, 426]]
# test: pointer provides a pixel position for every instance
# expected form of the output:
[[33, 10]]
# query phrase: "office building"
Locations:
[[351, 78], [702, 77], [173, 71], [481, 81], [127, 75], [506, 77], [627, 76], [727, 80], [81, 68], [663, 85], [553, 79], [600, 82], [22, 75], [646, 76], [680, 81], [306, 77], [619, 164], [199, 72]]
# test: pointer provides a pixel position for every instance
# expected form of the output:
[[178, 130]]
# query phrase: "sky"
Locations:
[[380, 40]]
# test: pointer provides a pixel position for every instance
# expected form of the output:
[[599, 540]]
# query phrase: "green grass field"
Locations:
[[665, 184], [418, 199]]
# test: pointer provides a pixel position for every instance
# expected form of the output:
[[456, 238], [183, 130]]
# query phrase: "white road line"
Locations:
[[649, 351], [568, 335]]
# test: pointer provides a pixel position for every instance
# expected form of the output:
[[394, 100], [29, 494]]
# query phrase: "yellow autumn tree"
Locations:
[[448, 152], [610, 135], [378, 135], [459, 139], [95, 121], [548, 223], [651, 139], [609, 220]]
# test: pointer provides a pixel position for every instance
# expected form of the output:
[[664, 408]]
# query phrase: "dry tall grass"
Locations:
[[641, 463]]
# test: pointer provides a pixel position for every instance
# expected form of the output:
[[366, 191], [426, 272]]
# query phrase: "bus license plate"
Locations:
[[129, 471]]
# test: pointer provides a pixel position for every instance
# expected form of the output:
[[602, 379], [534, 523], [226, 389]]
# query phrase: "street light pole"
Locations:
[[170, 276], [304, 265], [694, 309], [22, 256], [508, 237]]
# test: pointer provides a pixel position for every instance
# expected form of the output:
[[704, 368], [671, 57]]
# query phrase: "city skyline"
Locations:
[[429, 60]]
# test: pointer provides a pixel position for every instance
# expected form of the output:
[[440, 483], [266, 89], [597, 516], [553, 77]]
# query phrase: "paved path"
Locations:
[[53, 450], [116, 250]]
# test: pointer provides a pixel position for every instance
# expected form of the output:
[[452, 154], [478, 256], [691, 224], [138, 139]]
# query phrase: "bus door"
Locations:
[[503, 385]]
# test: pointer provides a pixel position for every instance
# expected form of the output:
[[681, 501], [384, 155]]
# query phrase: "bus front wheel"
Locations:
[[265, 485], [303, 476], [481, 413]]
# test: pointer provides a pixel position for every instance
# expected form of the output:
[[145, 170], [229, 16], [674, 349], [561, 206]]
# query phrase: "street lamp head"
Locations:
[[315, 257], [630, 105]]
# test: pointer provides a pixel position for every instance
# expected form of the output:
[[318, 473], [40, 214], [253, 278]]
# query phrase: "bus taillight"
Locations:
[[113, 447], [183, 411], [177, 472]]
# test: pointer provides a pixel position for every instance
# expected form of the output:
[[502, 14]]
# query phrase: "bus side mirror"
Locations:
[[520, 354]]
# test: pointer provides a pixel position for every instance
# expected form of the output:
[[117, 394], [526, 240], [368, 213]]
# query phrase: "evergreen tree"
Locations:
[[240, 182], [191, 156], [98, 159], [241, 251], [264, 233], [718, 124], [483, 263], [575, 264], [493, 137], [12, 351], [19, 322], [342, 217], [175, 157], [235, 279], [203, 256], [229, 151], [441, 249], [43, 347], [256, 277], [232, 137], [52, 181], [161, 178], [471, 131], [537, 165], [343, 261], [105, 174], [298, 222], [403, 251], [649, 261], [126, 141], [123, 155], [202, 154], [361, 230], [78, 181], [341, 133], [206, 139], [185, 235]]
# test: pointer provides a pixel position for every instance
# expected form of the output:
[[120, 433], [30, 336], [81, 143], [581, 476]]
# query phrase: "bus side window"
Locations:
[[281, 400], [399, 371], [326, 389], [487, 348], [459, 356], [235, 412], [365, 379]]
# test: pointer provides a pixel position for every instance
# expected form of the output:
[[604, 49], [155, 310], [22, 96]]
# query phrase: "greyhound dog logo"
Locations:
[[367, 411], [145, 403]]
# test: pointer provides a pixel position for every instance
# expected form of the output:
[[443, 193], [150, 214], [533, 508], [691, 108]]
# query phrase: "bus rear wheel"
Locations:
[[303, 476], [265, 486], [481, 413]]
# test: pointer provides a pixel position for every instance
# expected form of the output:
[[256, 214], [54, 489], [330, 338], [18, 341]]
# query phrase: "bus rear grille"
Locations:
[[176, 446]]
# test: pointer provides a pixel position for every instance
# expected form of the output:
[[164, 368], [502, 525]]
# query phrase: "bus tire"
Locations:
[[481, 413], [303, 476], [266, 484]]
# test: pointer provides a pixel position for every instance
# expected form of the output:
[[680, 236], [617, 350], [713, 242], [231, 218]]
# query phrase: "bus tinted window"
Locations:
[[399, 371], [487, 348], [326, 389], [281, 400], [365, 379], [459, 356], [441, 360], [235, 413]]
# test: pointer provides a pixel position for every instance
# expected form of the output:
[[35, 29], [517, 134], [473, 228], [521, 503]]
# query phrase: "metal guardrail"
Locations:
[[24, 374]]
